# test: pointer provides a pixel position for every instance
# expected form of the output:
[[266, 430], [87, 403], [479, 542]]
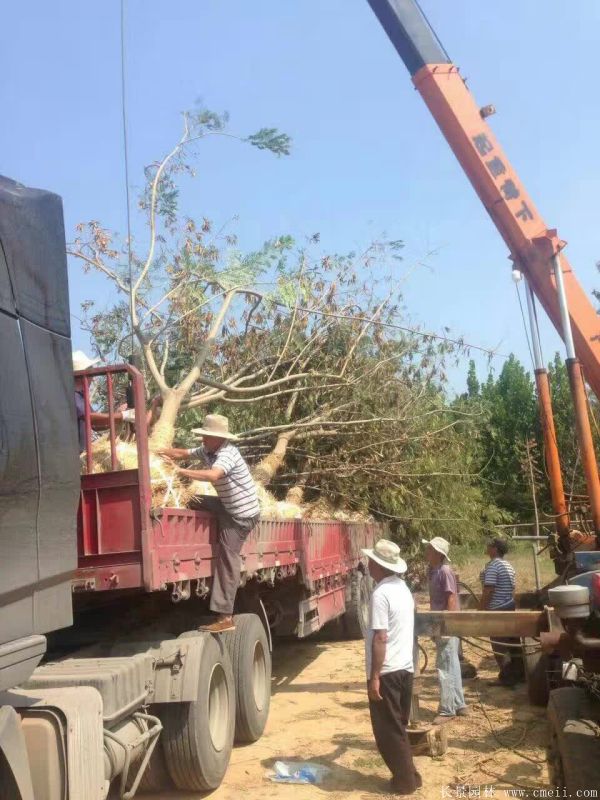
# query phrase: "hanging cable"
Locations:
[[126, 161], [378, 323], [524, 324], [537, 329]]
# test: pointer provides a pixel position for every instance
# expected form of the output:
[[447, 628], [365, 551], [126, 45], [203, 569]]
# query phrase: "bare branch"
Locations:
[[186, 384], [364, 329], [165, 357], [338, 424], [295, 391], [151, 363], [153, 199], [100, 265]]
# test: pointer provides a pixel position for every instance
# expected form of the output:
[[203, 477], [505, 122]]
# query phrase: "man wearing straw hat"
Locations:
[[443, 596], [236, 508], [389, 661]]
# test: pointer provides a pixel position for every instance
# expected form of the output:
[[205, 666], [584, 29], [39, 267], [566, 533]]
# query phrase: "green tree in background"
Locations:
[[473, 385], [510, 427], [564, 421], [511, 420]]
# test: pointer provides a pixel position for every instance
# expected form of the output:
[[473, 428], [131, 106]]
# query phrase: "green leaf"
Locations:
[[270, 139]]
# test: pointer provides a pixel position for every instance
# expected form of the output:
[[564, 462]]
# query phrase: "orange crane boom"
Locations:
[[530, 242], [534, 248]]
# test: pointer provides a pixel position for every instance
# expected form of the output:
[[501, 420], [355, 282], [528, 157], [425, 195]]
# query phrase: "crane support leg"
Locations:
[[579, 396], [586, 441], [557, 491]]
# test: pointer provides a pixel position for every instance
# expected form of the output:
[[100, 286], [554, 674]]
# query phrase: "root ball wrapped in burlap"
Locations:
[[168, 488], [171, 490]]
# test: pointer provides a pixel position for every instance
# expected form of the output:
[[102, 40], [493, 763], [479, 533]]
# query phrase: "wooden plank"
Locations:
[[480, 623]]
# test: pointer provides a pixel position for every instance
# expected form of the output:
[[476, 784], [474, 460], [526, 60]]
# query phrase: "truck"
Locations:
[[561, 639], [130, 693], [106, 683]]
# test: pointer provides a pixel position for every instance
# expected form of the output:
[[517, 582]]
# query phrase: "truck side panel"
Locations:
[[39, 474], [19, 491], [182, 542]]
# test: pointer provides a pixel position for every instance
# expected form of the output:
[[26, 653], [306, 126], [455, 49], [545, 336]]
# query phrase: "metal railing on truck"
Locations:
[[125, 543], [114, 513]]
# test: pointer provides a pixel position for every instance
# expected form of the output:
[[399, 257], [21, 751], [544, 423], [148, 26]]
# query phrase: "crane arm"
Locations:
[[531, 243]]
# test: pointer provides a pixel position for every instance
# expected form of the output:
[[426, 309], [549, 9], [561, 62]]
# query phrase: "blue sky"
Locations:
[[367, 156]]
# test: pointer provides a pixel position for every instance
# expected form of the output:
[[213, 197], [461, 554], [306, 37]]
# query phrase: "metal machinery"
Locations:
[[571, 631], [535, 249]]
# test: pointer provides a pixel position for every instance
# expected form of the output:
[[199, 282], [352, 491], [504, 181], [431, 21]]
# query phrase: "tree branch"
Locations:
[[186, 384]]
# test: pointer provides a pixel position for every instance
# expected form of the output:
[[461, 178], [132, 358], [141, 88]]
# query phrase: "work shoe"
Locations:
[[398, 788], [465, 711], [219, 626]]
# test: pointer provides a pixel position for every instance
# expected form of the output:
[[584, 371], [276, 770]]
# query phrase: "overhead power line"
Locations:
[[126, 162]]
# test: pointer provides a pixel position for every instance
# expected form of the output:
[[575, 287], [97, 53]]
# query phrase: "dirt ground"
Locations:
[[319, 712]]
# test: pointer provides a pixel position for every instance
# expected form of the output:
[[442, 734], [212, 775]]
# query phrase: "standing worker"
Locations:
[[443, 596], [236, 507], [98, 420], [498, 581], [389, 662]]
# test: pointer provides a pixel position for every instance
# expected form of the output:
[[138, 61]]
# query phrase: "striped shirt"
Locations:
[[236, 488], [501, 575]]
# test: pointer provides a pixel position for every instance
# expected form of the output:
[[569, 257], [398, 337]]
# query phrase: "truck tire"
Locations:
[[535, 664], [198, 736], [248, 648], [556, 770], [356, 618], [573, 715]]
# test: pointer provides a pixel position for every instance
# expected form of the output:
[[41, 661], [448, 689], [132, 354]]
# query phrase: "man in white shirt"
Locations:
[[389, 662]]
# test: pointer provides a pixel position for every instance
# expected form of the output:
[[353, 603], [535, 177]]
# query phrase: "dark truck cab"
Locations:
[[39, 470]]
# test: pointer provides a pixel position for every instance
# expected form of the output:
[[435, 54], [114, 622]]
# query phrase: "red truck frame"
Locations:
[[125, 543]]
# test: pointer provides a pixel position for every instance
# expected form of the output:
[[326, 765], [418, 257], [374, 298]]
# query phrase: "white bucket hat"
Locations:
[[439, 544], [81, 361], [386, 554], [215, 425]]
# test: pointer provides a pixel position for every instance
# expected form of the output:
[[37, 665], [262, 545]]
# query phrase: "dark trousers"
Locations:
[[508, 654], [233, 532], [389, 718]]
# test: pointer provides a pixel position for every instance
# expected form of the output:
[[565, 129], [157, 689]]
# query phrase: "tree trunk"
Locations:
[[295, 494], [164, 430], [266, 469]]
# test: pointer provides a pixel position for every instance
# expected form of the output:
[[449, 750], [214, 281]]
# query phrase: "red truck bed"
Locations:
[[124, 543]]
